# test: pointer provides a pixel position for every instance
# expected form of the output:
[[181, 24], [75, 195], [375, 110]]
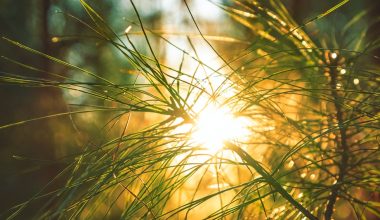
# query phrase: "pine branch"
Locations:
[[269, 178], [337, 99]]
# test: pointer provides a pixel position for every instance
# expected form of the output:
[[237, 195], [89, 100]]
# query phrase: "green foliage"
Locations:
[[313, 142]]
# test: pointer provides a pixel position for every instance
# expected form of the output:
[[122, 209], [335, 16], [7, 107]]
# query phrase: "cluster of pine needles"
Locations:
[[313, 148]]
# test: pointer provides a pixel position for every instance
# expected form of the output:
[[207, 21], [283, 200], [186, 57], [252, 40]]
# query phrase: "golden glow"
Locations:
[[54, 39], [215, 126]]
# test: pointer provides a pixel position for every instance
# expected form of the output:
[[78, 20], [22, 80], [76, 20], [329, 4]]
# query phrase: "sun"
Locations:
[[217, 125]]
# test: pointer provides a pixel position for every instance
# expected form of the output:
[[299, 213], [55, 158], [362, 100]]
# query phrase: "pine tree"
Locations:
[[285, 128]]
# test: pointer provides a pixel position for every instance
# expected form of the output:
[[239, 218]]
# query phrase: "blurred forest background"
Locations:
[[29, 153]]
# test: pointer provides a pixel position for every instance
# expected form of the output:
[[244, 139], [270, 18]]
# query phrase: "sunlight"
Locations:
[[215, 126]]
